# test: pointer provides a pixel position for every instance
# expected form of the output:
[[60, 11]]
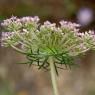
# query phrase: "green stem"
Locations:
[[53, 76]]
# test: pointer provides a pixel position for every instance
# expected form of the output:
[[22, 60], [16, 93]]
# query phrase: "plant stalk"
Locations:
[[53, 76]]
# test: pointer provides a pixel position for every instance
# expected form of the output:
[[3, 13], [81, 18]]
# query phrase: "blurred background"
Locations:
[[17, 79]]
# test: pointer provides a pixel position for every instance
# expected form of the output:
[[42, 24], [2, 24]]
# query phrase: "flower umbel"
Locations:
[[40, 42]]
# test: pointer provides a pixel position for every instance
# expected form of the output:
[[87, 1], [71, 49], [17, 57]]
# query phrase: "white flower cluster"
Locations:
[[69, 25], [12, 24], [30, 19], [89, 39], [7, 35], [16, 24], [9, 38], [48, 38]]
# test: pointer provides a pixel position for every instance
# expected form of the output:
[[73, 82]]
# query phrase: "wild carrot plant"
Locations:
[[49, 46]]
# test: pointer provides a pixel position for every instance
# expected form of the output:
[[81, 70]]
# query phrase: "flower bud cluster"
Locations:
[[16, 24], [12, 24], [69, 25], [39, 41]]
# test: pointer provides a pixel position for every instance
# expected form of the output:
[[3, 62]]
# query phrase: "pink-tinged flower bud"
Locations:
[[34, 19], [80, 34], [49, 25], [68, 25]]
